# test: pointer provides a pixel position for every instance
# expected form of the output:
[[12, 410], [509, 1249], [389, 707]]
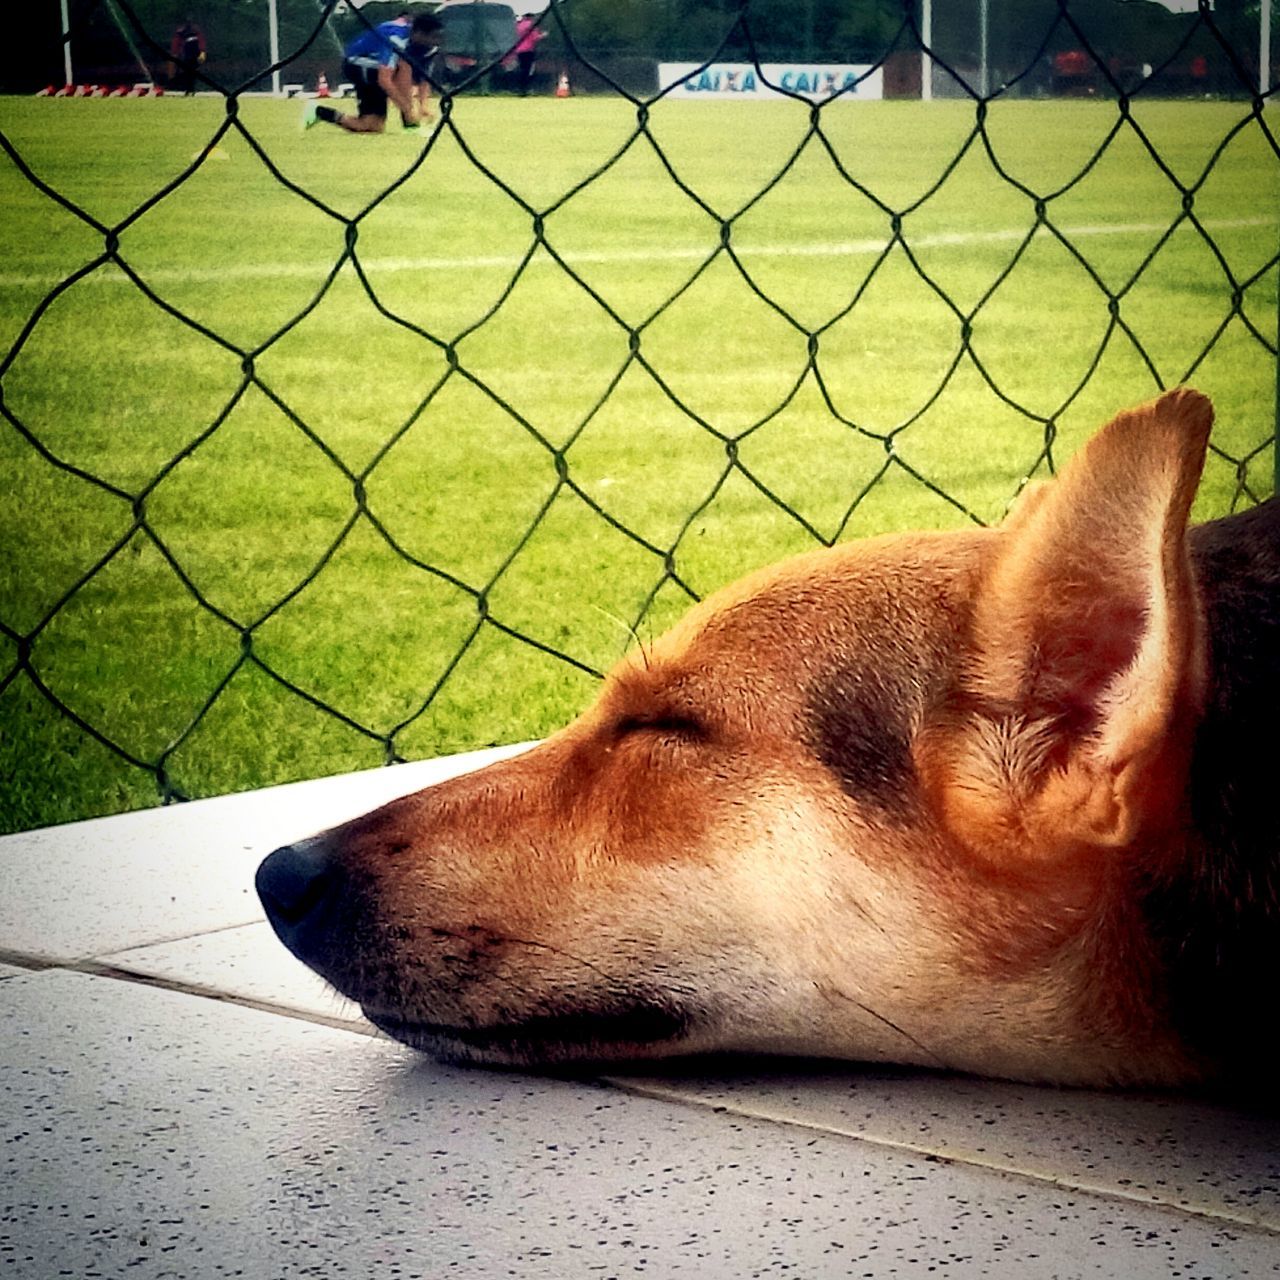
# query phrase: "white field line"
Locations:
[[110, 274]]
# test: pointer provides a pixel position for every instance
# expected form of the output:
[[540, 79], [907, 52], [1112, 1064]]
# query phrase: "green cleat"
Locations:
[[309, 116]]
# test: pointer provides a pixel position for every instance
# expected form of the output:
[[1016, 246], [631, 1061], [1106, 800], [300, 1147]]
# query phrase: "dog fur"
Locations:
[[993, 800]]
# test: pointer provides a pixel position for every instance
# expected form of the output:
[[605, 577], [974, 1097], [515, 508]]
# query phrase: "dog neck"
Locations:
[[1218, 920]]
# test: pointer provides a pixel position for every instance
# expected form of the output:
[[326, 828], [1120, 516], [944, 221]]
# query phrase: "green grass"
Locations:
[[461, 464]]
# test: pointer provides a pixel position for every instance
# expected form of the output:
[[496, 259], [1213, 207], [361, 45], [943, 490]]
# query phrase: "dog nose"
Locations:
[[296, 884]]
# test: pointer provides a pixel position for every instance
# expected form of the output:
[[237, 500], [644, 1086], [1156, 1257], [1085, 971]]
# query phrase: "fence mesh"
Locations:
[[96, 716]]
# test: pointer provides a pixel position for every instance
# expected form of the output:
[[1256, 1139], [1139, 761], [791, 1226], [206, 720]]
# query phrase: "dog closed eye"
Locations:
[[682, 727]]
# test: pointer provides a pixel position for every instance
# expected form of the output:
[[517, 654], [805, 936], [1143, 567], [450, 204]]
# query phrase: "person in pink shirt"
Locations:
[[528, 33]]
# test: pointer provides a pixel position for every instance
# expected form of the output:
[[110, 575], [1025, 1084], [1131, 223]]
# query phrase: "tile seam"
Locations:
[[971, 1159]]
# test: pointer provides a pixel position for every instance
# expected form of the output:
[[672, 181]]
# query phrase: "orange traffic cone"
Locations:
[[322, 86], [562, 86]]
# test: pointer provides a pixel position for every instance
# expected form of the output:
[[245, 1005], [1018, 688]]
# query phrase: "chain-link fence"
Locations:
[[801, 414]]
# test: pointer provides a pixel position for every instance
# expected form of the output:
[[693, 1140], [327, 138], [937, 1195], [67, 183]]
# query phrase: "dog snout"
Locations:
[[298, 885]]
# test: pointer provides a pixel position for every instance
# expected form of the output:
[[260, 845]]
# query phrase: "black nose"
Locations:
[[298, 886]]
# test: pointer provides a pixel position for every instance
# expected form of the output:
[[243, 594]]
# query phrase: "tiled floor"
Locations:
[[152, 1131]]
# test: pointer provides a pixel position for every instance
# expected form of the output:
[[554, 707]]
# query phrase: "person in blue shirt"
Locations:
[[388, 62]]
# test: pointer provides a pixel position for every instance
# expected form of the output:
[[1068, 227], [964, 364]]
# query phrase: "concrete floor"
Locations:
[[179, 1099]]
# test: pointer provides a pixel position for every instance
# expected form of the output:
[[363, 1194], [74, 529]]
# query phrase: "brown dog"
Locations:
[[994, 800]]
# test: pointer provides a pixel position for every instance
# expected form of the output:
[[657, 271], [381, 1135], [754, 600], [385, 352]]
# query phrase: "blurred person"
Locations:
[[528, 33], [187, 49], [389, 62]]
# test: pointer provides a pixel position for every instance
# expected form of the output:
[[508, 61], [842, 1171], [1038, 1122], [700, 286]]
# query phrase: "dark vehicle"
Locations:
[[475, 36]]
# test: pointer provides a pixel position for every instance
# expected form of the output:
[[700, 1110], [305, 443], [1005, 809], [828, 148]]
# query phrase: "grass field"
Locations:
[[284, 495]]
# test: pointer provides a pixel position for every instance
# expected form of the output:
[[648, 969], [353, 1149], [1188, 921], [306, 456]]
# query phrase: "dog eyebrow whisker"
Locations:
[[879, 1017], [632, 633]]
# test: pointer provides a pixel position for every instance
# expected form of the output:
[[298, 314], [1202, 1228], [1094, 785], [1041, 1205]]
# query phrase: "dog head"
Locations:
[[887, 801]]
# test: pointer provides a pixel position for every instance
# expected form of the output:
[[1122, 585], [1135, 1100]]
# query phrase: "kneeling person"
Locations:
[[386, 62]]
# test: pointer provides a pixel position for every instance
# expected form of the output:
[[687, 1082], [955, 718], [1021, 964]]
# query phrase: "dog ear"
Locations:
[[1071, 724]]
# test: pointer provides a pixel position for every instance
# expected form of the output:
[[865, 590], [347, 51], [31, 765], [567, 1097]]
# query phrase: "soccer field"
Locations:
[[344, 463]]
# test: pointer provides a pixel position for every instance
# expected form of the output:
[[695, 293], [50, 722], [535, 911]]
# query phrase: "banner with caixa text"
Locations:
[[745, 80]]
